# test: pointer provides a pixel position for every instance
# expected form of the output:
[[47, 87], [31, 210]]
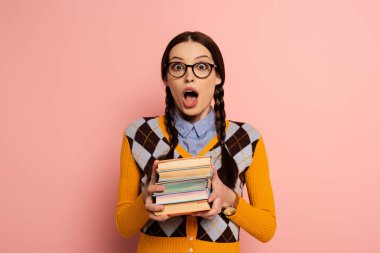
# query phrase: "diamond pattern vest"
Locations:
[[148, 140]]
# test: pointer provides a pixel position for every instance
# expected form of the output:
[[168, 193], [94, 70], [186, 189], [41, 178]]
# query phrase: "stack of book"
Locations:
[[187, 184]]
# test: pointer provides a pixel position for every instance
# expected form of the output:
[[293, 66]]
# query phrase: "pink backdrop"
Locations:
[[73, 74]]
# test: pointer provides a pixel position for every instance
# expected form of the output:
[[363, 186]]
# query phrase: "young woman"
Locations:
[[194, 124]]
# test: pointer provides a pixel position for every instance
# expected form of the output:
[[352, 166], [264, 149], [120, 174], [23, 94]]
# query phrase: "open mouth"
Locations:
[[190, 98]]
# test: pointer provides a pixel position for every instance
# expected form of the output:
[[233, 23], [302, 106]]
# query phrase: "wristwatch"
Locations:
[[230, 210]]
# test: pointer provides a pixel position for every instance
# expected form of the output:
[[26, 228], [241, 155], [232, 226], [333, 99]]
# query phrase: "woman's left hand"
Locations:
[[221, 197]]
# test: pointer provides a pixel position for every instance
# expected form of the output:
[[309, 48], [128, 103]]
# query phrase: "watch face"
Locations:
[[229, 211]]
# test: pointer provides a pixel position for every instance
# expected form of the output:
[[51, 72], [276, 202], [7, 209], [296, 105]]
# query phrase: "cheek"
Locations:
[[208, 94], [211, 89], [176, 92]]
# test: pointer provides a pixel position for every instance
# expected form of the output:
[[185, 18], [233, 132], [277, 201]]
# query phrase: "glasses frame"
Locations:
[[192, 68]]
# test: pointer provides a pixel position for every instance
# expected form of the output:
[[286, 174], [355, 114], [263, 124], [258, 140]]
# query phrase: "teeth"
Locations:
[[189, 92]]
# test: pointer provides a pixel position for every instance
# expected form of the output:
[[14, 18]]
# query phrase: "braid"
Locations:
[[220, 115], [169, 122], [228, 173]]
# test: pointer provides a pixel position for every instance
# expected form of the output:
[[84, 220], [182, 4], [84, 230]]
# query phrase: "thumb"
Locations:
[[154, 176], [215, 172]]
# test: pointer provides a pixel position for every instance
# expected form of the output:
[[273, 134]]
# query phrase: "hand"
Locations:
[[221, 196], [147, 193]]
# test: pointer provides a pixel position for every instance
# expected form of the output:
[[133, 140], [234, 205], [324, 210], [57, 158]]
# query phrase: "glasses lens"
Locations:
[[177, 69], [202, 69]]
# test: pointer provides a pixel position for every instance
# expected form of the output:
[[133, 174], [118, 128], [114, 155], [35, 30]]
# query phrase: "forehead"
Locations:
[[189, 50]]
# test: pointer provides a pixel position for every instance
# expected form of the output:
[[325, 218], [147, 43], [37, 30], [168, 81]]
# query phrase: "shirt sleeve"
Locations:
[[131, 214], [259, 217]]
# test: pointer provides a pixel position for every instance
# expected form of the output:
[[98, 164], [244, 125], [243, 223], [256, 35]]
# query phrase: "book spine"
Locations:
[[176, 179], [183, 168], [178, 199]]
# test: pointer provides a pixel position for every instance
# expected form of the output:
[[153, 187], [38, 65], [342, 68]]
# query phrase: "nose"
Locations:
[[189, 76]]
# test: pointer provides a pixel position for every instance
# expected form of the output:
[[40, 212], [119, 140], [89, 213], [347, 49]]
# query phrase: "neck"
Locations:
[[193, 118]]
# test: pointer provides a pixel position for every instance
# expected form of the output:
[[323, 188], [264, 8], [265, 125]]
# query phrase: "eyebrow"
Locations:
[[179, 58], [201, 56]]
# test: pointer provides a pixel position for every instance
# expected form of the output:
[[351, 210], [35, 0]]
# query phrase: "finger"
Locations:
[[155, 164], [217, 205], [214, 211], [155, 188], [202, 213], [148, 202], [151, 206], [163, 217], [215, 171], [212, 196], [158, 217], [154, 208], [208, 215], [144, 194], [153, 177]]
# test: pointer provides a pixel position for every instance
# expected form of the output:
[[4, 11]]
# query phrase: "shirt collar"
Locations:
[[201, 126]]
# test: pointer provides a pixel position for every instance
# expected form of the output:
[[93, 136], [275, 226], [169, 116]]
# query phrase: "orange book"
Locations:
[[185, 208], [183, 163], [184, 169]]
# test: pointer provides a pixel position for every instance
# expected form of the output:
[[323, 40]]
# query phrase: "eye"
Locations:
[[177, 66], [202, 66]]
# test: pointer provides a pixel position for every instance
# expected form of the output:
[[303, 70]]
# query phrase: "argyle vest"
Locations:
[[146, 137]]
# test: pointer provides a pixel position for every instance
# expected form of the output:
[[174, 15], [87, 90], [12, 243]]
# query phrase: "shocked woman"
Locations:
[[195, 124]]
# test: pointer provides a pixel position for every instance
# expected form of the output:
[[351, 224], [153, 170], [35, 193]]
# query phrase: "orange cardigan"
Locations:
[[258, 217]]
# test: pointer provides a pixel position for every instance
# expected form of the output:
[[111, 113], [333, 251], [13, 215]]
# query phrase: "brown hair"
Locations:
[[228, 173]]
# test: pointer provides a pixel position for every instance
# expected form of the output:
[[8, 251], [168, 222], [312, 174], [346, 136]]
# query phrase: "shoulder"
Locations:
[[242, 130], [143, 124]]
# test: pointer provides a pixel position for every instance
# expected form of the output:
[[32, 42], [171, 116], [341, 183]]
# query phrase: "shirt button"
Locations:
[[190, 250], [191, 238]]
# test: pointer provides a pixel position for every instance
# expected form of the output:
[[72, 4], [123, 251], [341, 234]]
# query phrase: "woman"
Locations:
[[192, 69]]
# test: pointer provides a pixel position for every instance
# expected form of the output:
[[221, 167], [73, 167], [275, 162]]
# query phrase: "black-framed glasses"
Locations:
[[200, 69]]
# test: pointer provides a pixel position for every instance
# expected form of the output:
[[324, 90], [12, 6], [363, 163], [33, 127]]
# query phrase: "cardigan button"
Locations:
[[190, 250], [191, 238]]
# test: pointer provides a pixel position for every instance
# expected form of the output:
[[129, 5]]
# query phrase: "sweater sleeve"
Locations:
[[131, 214], [259, 217]]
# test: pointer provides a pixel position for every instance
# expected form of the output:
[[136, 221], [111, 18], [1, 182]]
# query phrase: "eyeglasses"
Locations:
[[200, 69]]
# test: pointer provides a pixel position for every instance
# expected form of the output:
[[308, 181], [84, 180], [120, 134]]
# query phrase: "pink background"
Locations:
[[74, 74]]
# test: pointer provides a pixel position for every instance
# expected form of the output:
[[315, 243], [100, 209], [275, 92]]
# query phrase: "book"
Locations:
[[184, 174], [180, 169], [182, 197], [187, 184], [184, 186], [180, 163], [185, 208]]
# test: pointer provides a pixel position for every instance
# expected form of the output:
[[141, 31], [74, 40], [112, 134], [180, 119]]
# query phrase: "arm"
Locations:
[[131, 214], [259, 218]]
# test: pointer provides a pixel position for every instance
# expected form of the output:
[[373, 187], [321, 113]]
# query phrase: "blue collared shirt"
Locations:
[[194, 137]]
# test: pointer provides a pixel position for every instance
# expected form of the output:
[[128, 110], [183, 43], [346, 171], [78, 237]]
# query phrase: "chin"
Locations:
[[190, 112]]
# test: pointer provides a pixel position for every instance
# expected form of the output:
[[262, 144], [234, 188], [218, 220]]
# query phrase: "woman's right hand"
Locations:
[[147, 193]]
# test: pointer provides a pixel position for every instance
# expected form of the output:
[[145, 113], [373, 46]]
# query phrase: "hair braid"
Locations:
[[169, 122], [220, 115], [228, 173]]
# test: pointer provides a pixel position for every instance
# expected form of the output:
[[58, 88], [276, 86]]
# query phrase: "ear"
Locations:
[[166, 81], [218, 80]]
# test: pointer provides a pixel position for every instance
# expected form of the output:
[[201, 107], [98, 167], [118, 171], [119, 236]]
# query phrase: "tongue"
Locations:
[[190, 100]]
